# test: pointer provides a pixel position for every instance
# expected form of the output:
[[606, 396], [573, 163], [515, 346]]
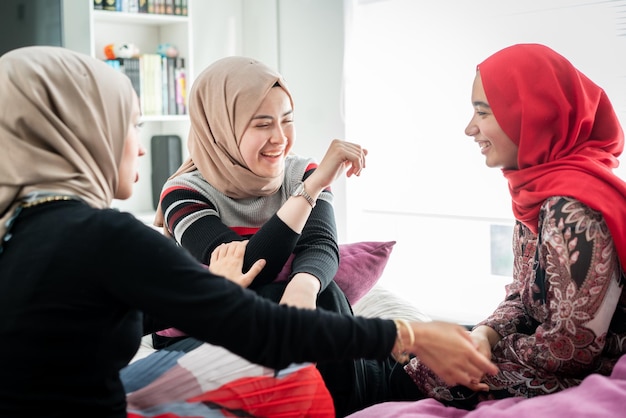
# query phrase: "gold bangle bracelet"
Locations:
[[400, 354]]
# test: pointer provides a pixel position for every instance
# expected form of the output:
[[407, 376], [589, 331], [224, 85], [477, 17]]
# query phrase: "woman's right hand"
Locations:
[[449, 351]]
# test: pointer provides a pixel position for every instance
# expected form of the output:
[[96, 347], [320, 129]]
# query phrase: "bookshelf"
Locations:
[[146, 31]]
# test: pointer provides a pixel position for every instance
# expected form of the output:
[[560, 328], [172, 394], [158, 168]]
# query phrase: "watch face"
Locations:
[[301, 191]]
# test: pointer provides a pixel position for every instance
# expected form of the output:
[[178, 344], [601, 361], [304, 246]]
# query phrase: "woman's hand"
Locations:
[[339, 157], [449, 351], [482, 337], [301, 291], [227, 261]]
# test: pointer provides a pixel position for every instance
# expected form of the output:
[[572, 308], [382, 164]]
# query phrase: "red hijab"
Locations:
[[567, 132]]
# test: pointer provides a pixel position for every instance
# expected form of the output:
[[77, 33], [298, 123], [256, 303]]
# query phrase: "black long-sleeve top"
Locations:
[[201, 217], [74, 281]]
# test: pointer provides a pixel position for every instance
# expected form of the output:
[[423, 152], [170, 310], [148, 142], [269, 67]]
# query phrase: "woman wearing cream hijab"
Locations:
[[75, 276], [242, 182]]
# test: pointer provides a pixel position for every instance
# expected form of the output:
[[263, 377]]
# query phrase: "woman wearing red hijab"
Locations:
[[556, 137]]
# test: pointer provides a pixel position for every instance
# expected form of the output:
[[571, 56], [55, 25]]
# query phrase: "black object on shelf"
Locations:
[[166, 152]]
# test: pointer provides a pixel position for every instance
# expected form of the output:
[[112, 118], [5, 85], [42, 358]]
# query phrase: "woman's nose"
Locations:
[[278, 135], [471, 129]]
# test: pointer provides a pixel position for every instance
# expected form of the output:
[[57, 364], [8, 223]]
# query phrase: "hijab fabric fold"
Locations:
[[63, 122], [222, 101], [568, 135]]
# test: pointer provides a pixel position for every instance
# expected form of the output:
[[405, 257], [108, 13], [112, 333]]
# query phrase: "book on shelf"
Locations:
[[167, 7], [181, 87], [110, 5], [170, 95], [158, 81], [130, 67]]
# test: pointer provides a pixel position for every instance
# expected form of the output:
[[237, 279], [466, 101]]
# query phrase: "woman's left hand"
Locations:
[[301, 292], [339, 157]]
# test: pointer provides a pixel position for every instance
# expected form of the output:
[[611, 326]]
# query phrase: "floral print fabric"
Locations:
[[561, 320]]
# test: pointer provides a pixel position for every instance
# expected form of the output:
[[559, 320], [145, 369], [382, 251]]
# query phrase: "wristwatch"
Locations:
[[300, 191]]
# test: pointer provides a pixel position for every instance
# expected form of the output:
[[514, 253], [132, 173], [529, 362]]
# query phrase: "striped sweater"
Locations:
[[200, 218]]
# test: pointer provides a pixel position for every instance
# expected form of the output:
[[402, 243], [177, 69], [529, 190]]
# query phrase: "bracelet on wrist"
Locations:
[[399, 352]]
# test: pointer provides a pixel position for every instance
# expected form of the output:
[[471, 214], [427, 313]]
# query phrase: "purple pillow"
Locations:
[[360, 266]]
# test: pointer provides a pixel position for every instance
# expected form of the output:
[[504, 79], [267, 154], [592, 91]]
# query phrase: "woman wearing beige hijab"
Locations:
[[242, 182], [75, 275]]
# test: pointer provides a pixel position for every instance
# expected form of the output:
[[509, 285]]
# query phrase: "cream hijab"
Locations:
[[222, 101], [64, 117]]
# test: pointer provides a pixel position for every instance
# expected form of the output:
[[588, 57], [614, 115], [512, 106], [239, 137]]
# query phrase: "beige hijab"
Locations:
[[222, 101], [63, 121]]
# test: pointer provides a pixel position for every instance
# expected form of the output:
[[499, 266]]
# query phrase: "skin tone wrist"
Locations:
[[302, 291], [487, 333], [312, 188]]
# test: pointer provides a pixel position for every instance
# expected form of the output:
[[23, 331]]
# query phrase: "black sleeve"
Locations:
[[154, 275], [317, 251], [274, 241]]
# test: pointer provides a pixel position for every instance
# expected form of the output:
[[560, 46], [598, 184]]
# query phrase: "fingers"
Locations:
[[247, 278], [256, 268], [231, 249], [451, 353], [476, 386], [354, 158], [342, 156]]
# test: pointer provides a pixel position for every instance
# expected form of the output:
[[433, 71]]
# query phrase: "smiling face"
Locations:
[[128, 174], [269, 135], [495, 145]]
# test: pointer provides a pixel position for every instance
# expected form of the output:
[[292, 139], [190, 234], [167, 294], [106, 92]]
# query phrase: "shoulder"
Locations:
[[562, 213], [295, 168], [192, 182], [77, 225], [568, 208], [114, 223]]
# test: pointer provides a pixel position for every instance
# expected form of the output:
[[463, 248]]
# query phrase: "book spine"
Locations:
[[110, 5], [164, 89], [98, 4], [157, 84], [171, 86], [130, 67], [169, 7], [133, 6], [143, 77], [159, 7], [181, 87]]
